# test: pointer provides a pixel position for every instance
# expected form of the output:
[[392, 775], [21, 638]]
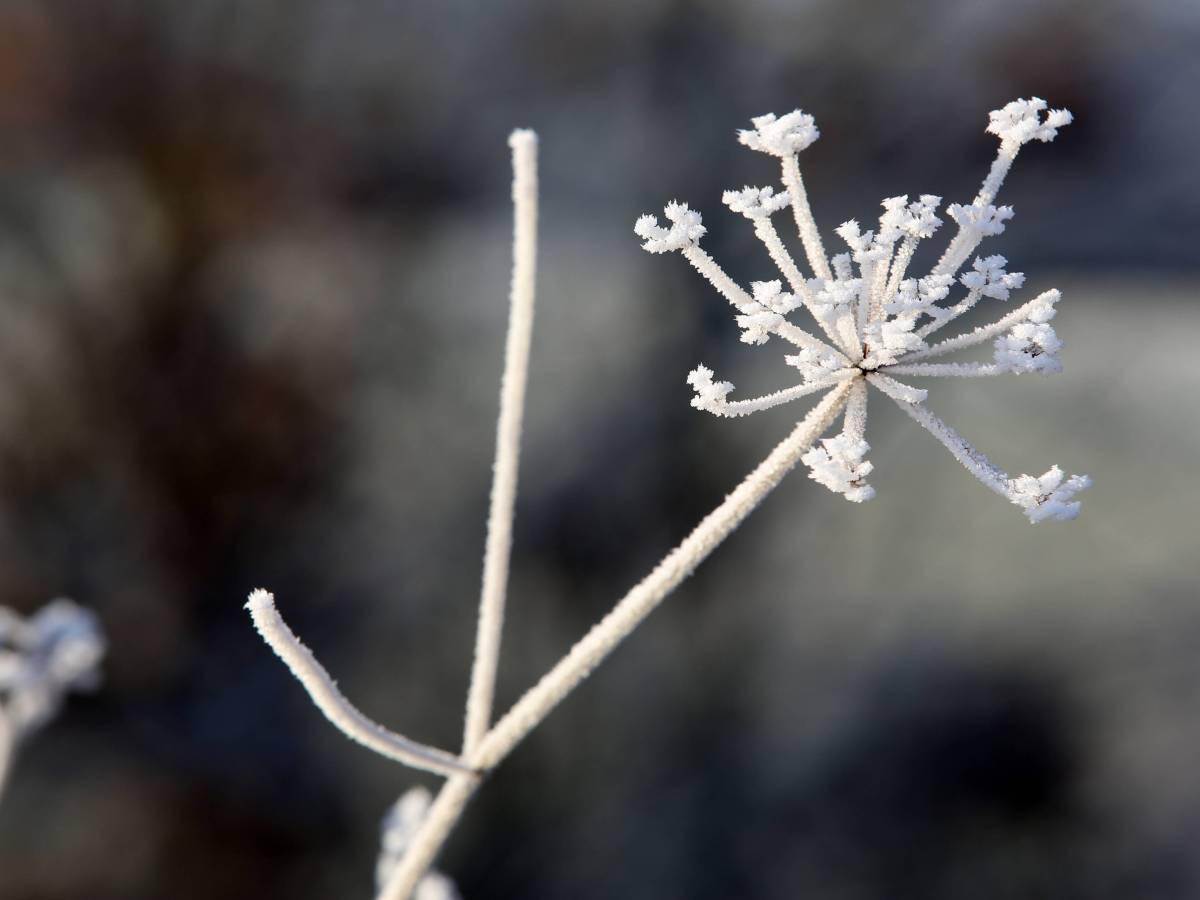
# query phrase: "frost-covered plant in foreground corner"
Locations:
[[875, 323], [56, 650], [874, 319], [401, 824]]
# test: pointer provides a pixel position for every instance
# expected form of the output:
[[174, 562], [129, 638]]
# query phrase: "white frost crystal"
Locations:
[[685, 231], [1049, 497], [990, 279], [756, 203], [765, 312], [816, 363], [833, 297], [983, 218], [1029, 347], [1020, 121], [841, 466], [873, 321], [886, 342], [781, 137], [917, 219], [710, 395], [917, 295]]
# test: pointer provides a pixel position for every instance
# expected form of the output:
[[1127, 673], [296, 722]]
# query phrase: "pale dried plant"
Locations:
[[56, 650], [874, 325]]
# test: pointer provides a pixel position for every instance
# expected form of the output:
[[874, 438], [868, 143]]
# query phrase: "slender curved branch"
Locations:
[[337, 709]]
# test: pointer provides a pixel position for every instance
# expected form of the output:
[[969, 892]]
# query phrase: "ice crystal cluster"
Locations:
[[875, 320]]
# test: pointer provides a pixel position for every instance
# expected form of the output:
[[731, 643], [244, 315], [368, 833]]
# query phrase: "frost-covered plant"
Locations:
[[400, 826], [56, 650], [875, 321]]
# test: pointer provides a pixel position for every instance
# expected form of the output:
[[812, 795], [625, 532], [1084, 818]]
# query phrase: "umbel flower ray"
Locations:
[[874, 321]]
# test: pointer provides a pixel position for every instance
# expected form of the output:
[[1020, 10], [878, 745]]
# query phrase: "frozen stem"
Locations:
[[482, 691], [810, 237]]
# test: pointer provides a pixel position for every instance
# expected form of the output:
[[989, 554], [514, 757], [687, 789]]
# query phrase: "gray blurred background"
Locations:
[[253, 275]]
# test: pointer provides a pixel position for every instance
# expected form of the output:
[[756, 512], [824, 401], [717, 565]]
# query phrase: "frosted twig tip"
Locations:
[[329, 700], [259, 599], [522, 137]]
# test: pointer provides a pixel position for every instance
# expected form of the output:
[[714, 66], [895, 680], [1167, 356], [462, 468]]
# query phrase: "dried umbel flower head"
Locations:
[[56, 650], [874, 320]]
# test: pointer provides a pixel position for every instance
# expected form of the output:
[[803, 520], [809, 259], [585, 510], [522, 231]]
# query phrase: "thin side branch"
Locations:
[[716, 276], [971, 458], [962, 245], [943, 317], [897, 390], [964, 242], [862, 308], [1006, 155], [732, 409], [900, 264], [764, 229], [810, 237], [956, 370], [796, 335], [855, 422], [330, 701], [498, 551], [985, 332]]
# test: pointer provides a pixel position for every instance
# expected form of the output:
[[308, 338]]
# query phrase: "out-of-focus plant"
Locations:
[[56, 650], [874, 325]]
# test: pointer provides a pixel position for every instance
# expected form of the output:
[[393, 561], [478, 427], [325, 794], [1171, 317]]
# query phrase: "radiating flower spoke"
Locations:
[[897, 390], [1040, 309], [711, 395], [952, 370]]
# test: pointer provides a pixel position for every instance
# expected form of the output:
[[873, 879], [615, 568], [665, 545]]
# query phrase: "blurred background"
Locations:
[[253, 273]]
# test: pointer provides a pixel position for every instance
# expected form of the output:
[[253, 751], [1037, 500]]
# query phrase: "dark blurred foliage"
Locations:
[[253, 261]]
